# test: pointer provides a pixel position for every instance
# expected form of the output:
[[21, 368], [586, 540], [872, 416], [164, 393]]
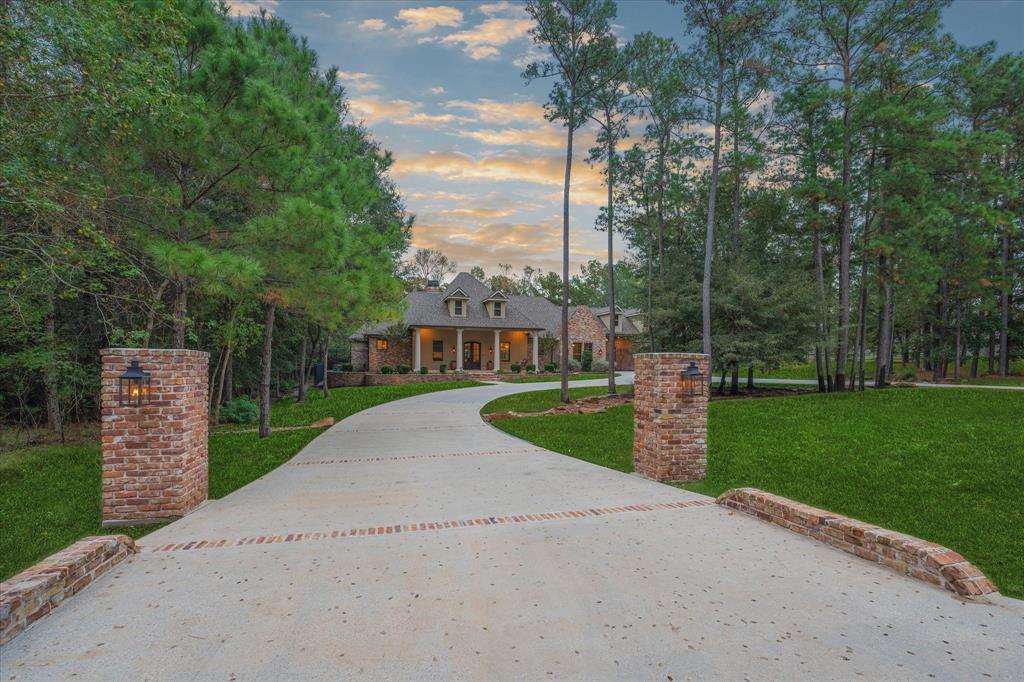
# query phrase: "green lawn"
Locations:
[[946, 466], [50, 495], [538, 401], [808, 370]]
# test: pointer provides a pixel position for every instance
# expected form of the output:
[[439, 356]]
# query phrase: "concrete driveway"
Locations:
[[413, 541]]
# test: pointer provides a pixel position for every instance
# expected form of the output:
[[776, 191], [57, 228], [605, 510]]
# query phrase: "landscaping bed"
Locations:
[[50, 496], [944, 466]]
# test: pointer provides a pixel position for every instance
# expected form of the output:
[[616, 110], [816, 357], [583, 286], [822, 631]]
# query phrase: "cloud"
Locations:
[[501, 113], [548, 137], [544, 170], [439, 90], [358, 81], [483, 40], [427, 120], [503, 7], [373, 24], [374, 110], [248, 8], [423, 19]]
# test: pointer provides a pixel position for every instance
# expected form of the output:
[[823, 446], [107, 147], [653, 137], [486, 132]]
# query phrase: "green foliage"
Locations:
[[386, 369], [550, 367], [424, 370], [403, 369], [574, 365], [599, 365], [242, 410], [514, 368], [586, 360]]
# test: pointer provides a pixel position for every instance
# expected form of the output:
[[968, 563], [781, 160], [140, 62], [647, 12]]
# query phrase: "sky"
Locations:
[[439, 84]]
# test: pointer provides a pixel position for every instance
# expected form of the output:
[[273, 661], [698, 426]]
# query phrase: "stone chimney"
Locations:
[[432, 285]]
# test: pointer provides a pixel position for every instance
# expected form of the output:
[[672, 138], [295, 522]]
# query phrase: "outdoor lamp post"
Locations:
[[693, 379], [133, 386]]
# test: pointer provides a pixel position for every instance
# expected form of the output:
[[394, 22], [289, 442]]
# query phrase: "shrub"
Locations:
[[531, 367], [242, 410], [588, 360], [574, 365], [403, 369], [386, 369], [550, 367], [345, 367], [514, 369], [599, 366], [499, 371], [442, 368], [423, 370]]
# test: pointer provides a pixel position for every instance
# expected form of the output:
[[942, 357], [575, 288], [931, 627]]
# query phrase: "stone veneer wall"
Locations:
[[399, 352], [33, 593], [917, 558], [360, 355], [155, 456], [586, 327], [670, 434]]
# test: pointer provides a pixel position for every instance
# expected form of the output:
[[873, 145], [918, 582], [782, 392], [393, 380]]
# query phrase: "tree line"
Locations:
[[828, 177], [174, 177]]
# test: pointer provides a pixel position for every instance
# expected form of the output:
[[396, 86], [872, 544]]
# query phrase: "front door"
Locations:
[[471, 355]]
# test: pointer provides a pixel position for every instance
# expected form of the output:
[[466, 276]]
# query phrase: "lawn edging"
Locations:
[[38, 590], [906, 554]]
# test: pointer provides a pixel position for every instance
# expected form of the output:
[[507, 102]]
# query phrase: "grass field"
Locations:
[[50, 495], [946, 466], [527, 379], [808, 370]]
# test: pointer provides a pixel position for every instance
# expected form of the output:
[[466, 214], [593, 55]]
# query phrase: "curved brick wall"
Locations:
[[926, 561], [36, 591]]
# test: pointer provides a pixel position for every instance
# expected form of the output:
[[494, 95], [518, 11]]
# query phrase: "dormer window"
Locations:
[[459, 308], [498, 310], [495, 304]]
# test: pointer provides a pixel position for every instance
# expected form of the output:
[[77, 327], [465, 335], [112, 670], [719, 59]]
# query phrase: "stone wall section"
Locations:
[[399, 352], [360, 355], [35, 592], [906, 554], [155, 455], [586, 327], [670, 426]]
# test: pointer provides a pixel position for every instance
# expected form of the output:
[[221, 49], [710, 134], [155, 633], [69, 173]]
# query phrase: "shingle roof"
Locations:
[[627, 326]]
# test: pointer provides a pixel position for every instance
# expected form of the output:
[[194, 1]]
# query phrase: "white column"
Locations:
[[416, 364], [458, 349], [536, 354], [497, 349]]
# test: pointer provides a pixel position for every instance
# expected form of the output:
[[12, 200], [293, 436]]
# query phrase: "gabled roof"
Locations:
[[453, 293], [496, 296]]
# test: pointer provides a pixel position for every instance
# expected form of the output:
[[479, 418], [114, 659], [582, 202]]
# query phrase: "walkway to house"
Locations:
[[413, 541]]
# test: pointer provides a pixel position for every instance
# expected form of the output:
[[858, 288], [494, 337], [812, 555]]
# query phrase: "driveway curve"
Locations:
[[414, 541]]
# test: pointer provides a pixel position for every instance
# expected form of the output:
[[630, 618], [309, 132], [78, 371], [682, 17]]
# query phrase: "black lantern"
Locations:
[[133, 386], [693, 379]]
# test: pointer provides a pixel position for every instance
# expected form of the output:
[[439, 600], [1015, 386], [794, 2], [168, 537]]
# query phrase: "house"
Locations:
[[471, 327]]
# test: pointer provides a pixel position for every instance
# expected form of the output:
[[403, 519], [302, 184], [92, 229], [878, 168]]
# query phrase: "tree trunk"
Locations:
[[817, 365], [224, 373], [611, 263], [844, 239], [1004, 309], [229, 380], [180, 308], [565, 257], [709, 238], [327, 349], [302, 368], [268, 337], [882, 370], [734, 387], [959, 349], [750, 377], [151, 316], [51, 375], [862, 309], [823, 331], [975, 356], [991, 352]]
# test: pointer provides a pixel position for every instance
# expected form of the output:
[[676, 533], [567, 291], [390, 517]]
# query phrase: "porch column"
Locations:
[[536, 355], [497, 350], [416, 364], [458, 349]]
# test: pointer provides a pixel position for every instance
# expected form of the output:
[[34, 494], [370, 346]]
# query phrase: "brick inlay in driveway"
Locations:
[[440, 455], [430, 525]]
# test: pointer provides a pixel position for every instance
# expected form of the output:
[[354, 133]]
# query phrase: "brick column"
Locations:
[[154, 456], [670, 434]]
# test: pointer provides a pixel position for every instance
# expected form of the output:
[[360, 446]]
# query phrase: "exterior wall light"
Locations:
[[133, 386], [693, 379]]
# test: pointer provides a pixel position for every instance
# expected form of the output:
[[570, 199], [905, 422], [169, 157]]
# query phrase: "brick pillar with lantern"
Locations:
[[154, 426], [670, 413]]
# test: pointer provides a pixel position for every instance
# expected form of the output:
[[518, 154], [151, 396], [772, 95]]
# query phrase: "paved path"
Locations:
[[814, 382], [531, 566]]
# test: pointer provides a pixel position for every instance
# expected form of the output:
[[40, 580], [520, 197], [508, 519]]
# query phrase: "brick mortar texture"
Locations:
[[670, 426], [36, 591], [586, 327], [155, 456], [906, 554]]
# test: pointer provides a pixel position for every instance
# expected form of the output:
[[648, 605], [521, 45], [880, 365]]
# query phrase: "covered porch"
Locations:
[[473, 349]]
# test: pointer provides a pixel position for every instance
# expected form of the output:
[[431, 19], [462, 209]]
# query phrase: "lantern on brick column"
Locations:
[[693, 379], [133, 386]]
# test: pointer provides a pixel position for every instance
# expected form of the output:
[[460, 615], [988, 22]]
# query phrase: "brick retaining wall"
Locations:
[[345, 379], [925, 561], [33, 593]]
